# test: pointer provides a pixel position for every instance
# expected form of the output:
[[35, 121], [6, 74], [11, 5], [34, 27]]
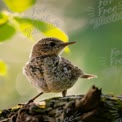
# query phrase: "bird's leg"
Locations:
[[31, 100], [64, 93]]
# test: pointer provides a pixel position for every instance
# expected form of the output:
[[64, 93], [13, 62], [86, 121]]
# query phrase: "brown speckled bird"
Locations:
[[48, 71]]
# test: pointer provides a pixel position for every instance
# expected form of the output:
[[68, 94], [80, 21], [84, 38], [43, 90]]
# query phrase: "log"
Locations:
[[92, 107]]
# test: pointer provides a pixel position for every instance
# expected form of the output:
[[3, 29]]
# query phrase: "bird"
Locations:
[[48, 71]]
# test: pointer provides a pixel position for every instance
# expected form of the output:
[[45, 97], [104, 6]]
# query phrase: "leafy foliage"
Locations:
[[3, 68], [3, 18], [7, 31], [18, 5], [25, 25], [11, 23]]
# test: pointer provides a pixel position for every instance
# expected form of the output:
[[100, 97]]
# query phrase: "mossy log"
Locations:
[[92, 107]]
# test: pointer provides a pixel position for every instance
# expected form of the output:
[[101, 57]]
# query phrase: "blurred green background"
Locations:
[[96, 26]]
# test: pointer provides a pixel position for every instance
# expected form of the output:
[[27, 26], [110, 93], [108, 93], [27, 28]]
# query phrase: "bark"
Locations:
[[92, 107]]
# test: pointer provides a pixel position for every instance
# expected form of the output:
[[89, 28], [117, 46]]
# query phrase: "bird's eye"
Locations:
[[52, 44]]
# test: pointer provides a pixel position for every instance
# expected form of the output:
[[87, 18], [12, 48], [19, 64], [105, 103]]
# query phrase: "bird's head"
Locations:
[[49, 46]]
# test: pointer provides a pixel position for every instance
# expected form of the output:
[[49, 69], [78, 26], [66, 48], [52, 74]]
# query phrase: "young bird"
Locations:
[[48, 71]]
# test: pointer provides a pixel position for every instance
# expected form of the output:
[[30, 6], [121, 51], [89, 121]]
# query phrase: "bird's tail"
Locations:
[[88, 76]]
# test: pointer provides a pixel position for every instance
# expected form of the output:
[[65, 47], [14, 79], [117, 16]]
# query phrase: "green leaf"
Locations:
[[50, 30], [19, 5], [44, 27], [6, 31], [3, 68], [3, 18], [27, 26]]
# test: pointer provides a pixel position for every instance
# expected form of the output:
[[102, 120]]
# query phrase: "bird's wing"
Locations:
[[59, 67], [76, 70]]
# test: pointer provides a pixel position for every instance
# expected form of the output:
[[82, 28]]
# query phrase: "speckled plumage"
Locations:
[[48, 71]]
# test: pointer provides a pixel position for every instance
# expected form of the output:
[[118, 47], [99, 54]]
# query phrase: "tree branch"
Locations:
[[92, 107]]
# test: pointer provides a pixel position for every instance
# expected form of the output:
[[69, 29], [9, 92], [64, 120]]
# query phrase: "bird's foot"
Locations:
[[64, 93], [31, 100]]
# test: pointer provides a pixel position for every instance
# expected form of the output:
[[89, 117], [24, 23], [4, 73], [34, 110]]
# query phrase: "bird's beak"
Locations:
[[68, 43]]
